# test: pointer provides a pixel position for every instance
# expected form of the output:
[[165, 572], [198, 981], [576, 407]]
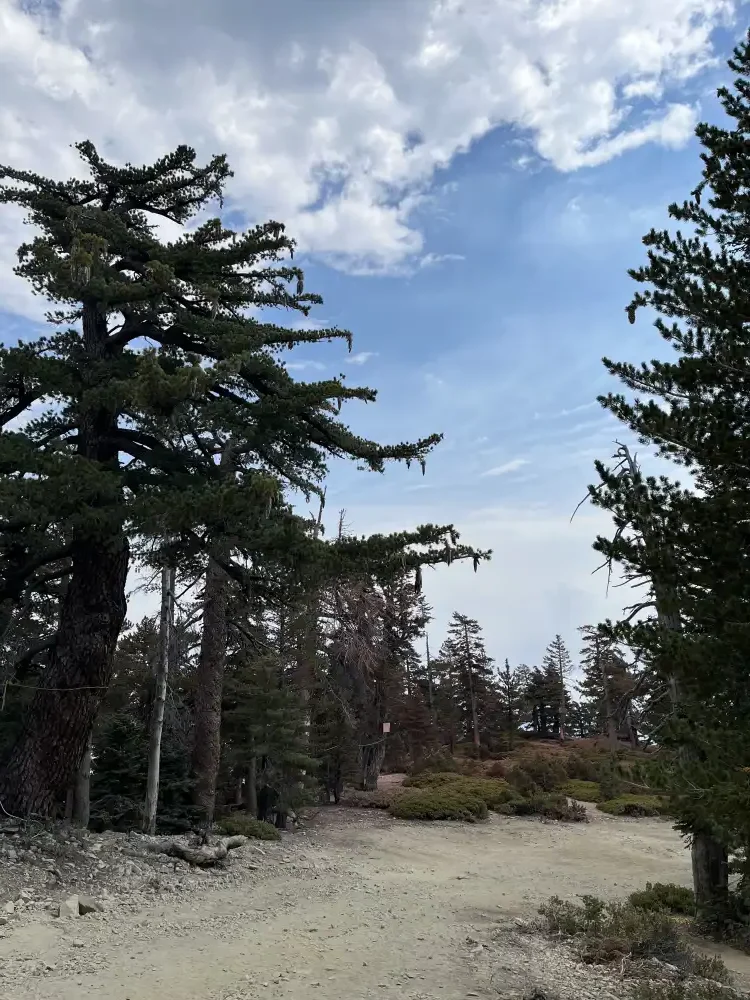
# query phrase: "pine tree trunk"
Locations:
[[45, 760], [563, 712], [371, 761], [709, 857], [166, 624], [609, 712], [472, 698], [710, 875], [210, 677], [82, 791], [252, 787], [209, 691]]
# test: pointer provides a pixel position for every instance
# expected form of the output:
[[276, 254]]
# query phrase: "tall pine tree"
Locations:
[[120, 451], [694, 546]]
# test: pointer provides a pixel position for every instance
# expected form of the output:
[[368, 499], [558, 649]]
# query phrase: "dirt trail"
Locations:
[[373, 908]]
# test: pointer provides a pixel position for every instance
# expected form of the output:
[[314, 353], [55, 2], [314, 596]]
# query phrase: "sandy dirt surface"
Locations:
[[355, 906]]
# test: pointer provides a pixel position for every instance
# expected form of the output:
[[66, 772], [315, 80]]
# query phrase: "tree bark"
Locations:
[[166, 626], [45, 760], [472, 697], [371, 760], [82, 791], [209, 690], [210, 677], [710, 875], [252, 787]]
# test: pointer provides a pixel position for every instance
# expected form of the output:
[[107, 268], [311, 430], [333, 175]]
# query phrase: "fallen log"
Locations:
[[203, 856]]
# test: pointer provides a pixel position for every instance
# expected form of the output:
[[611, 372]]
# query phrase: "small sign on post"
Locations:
[[386, 727]]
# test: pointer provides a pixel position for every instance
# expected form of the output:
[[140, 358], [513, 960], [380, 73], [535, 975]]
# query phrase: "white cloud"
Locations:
[[506, 467], [336, 117], [361, 357], [541, 579], [301, 366]]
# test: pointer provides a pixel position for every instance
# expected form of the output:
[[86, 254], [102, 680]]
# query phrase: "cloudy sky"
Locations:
[[468, 183]]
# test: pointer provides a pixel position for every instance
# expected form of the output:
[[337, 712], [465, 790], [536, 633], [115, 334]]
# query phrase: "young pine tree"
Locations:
[[558, 666], [465, 645]]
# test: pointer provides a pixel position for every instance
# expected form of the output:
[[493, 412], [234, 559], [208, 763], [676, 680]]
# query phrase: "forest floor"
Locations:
[[353, 907]]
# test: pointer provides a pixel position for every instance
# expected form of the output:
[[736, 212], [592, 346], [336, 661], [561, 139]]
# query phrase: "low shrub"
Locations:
[[520, 779], [547, 773], [556, 807], [242, 824], [664, 896], [436, 764], [492, 791], [381, 798], [431, 779], [446, 802], [497, 769], [583, 791], [634, 805], [609, 932], [581, 768], [683, 990], [472, 768], [610, 781]]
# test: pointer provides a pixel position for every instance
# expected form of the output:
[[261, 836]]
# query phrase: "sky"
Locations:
[[468, 184]]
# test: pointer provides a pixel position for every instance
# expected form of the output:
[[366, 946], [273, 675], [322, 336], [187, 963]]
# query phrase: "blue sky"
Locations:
[[468, 183]]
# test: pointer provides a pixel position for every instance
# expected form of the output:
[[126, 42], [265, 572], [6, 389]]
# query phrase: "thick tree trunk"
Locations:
[[710, 875], [45, 760], [371, 760], [82, 791], [166, 626], [209, 690]]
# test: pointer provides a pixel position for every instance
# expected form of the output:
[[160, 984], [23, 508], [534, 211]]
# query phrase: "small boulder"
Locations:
[[87, 904], [9, 907], [68, 907]]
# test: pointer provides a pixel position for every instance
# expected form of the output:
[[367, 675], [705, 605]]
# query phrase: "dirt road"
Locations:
[[359, 906]]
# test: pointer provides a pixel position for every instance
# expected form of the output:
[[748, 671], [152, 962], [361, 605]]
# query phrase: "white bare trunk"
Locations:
[[166, 626]]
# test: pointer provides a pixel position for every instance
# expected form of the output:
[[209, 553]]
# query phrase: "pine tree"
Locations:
[[265, 736], [557, 664], [607, 686], [693, 546], [511, 685], [129, 447], [465, 646], [542, 698]]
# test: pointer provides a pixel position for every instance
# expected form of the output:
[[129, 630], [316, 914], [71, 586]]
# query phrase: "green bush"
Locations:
[[683, 990], [436, 764], [664, 896], [548, 806], [242, 824], [520, 779], [610, 781], [444, 802], [494, 792], [635, 805], [432, 779], [378, 799], [547, 773], [609, 932], [583, 791], [581, 768]]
